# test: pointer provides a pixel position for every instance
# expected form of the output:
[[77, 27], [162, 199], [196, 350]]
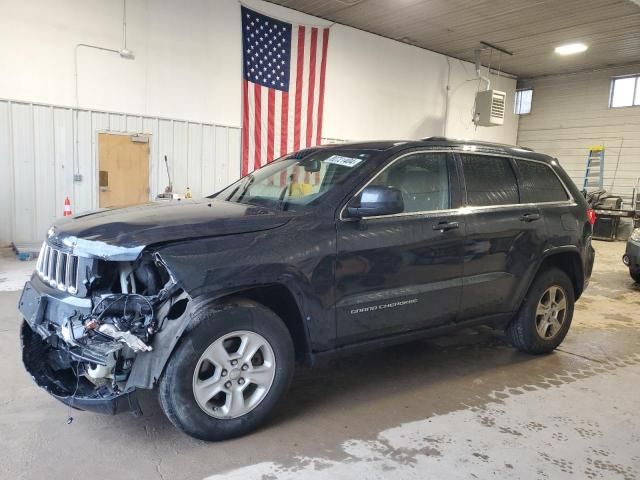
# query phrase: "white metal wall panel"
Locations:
[[45, 167], [38, 159], [83, 190], [194, 159], [63, 154], [234, 150], [222, 152], [180, 156], [117, 122], [6, 173], [208, 166], [134, 124], [24, 172], [571, 113], [165, 147]]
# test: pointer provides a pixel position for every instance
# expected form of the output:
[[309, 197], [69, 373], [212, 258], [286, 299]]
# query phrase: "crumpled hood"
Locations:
[[121, 234]]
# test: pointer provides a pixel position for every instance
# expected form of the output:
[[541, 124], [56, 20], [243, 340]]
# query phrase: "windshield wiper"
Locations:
[[282, 204], [246, 188]]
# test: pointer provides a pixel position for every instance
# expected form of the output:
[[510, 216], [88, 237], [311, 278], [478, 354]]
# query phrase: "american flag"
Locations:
[[284, 69]]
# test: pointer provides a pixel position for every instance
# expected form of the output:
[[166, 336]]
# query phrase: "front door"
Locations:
[[123, 170], [402, 272]]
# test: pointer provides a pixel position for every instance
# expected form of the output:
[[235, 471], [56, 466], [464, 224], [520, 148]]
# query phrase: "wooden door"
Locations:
[[123, 170]]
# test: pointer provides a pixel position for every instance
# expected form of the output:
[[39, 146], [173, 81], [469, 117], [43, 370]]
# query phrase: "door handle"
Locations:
[[444, 226], [530, 217]]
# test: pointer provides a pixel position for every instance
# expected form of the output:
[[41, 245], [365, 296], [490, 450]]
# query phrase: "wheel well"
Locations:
[[568, 262], [280, 300]]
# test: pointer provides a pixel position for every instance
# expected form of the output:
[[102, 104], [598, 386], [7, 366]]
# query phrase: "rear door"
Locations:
[[505, 237], [402, 272]]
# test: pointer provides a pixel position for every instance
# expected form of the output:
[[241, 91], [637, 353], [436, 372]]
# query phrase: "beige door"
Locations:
[[124, 170]]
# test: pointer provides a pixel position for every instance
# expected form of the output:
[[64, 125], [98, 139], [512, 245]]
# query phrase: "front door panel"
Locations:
[[397, 274], [402, 272]]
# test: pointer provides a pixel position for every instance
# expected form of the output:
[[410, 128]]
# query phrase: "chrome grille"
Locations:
[[59, 269]]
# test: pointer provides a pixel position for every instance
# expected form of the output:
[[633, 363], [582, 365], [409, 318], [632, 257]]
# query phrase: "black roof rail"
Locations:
[[480, 142]]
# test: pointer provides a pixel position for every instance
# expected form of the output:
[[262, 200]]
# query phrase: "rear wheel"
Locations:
[[635, 274], [545, 315], [228, 372]]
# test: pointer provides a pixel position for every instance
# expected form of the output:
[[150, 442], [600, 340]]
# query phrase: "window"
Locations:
[[540, 183], [489, 180], [422, 179], [625, 91], [522, 105]]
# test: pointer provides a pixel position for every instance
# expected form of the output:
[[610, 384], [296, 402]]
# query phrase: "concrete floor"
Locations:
[[463, 406]]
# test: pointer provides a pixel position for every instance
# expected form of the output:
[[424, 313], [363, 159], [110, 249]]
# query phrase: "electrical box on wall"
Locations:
[[490, 108]]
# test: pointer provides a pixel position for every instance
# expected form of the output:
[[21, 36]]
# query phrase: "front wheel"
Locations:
[[228, 372], [635, 274], [545, 315]]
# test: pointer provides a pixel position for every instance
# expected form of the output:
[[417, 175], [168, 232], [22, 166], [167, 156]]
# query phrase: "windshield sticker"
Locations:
[[344, 161]]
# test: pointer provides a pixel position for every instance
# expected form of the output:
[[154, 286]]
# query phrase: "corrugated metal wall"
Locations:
[[37, 166], [571, 113]]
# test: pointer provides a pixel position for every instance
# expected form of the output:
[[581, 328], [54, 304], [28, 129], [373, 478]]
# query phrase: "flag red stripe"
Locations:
[[299, 80], [257, 131], [271, 105], [323, 69], [284, 124], [245, 127], [312, 83]]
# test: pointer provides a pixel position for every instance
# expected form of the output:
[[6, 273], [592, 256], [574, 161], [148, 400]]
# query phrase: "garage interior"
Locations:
[[109, 104]]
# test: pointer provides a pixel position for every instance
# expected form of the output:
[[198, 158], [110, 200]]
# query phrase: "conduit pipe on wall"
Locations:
[[479, 74], [124, 53]]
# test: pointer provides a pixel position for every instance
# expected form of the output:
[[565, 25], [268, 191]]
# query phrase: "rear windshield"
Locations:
[[295, 181]]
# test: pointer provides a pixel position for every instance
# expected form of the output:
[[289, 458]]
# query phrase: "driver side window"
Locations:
[[421, 178]]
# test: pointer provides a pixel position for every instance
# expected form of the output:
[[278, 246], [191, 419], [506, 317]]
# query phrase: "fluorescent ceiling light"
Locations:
[[571, 48]]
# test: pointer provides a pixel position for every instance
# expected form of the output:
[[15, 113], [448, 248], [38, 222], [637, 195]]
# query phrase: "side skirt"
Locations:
[[316, 359]]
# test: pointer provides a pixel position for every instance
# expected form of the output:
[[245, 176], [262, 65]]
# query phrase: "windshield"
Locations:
[[296, 180]]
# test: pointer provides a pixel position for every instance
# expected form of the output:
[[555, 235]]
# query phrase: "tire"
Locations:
[[635, 274], [539, 327], [236, 405]]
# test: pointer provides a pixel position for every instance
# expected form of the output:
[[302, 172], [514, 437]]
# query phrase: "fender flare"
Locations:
[[546, 254]]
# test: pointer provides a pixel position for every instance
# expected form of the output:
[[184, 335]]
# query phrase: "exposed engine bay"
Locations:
[[86, 348]]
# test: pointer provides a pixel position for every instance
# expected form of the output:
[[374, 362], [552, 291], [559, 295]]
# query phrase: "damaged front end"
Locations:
[[92, 327]]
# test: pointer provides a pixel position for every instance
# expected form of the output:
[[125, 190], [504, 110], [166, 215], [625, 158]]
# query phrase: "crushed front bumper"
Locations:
[[50, 363], [63, 383]]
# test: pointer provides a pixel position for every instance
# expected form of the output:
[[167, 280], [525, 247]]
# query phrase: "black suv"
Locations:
[[324, 251]]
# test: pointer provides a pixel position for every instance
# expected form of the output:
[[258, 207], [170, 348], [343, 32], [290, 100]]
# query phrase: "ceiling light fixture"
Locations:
[[571, 48]]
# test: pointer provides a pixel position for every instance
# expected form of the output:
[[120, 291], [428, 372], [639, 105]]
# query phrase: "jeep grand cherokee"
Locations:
[[324, 251]]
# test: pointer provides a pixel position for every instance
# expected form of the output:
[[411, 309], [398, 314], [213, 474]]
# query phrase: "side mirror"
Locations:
[[377, 201]]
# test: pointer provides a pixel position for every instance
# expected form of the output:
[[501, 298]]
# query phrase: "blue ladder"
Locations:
[[594, 175]]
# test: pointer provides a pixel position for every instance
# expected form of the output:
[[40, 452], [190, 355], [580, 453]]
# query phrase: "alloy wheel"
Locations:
[[234, 374], [551, 312]]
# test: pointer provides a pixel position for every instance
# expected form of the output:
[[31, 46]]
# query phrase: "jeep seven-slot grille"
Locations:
[[59, 269]]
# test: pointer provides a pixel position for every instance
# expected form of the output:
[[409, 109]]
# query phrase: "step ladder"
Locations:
[[594, 174]]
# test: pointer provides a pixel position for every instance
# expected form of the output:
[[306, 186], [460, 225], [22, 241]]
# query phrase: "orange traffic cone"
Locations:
[[67, 207]]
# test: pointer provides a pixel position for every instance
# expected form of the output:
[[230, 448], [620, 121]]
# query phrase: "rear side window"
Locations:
[[489, 180], [540, 183]]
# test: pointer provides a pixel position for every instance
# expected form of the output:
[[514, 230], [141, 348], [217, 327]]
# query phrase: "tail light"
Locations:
[[591, 215]]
